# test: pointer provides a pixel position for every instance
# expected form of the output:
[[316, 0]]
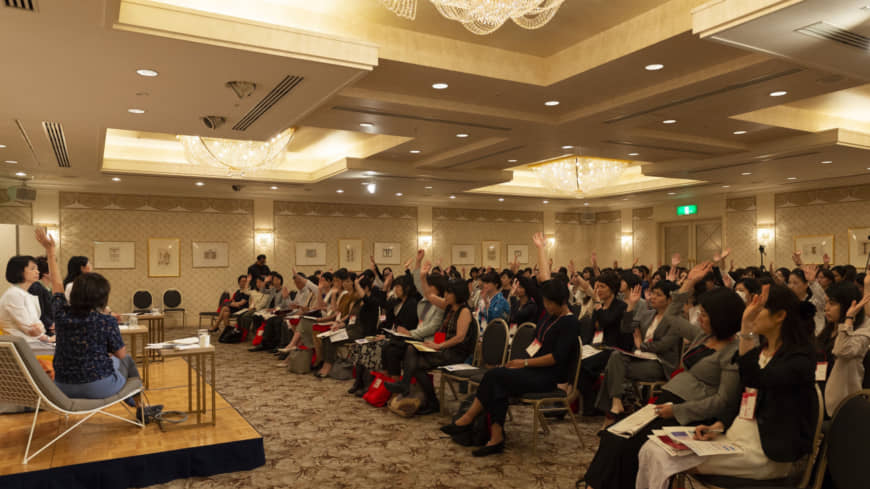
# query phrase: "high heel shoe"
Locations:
[[488, 450], [455, 429]]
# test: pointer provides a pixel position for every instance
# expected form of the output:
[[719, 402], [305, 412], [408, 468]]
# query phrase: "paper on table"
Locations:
[[458, 366], [186, 341], [634, 423]]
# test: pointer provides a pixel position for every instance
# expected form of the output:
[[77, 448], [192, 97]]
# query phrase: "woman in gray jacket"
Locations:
[[706, 388]]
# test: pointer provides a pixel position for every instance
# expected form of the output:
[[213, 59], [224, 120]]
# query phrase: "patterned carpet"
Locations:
[[316, 435]]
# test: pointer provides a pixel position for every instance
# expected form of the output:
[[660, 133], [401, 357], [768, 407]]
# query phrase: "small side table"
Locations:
[[202, 357], [138, 334]]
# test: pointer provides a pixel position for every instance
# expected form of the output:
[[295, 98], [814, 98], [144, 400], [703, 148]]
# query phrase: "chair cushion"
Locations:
[[464, 374]]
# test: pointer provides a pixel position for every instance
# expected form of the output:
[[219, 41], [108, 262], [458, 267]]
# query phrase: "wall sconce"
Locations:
[[424, 240], [263, 239], [551, 241], [627, 239], [765, 235], [51, 229]]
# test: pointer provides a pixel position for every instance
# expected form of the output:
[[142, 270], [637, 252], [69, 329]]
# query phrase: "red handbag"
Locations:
[[378, 395], [258, 338]]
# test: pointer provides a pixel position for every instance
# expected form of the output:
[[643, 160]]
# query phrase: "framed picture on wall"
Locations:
[[462, 255], [210, 254], [164, 257], [490, 252], [518, 252], [814, 248], [114, 254], [310, 253], [859, 246], [387, 253], [350, 254]]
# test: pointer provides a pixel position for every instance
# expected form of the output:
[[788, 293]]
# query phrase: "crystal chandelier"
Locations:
[[579, 173], [484, 16], [237, 157]]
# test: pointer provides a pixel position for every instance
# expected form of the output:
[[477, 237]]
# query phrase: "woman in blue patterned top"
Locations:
[[90, 360]]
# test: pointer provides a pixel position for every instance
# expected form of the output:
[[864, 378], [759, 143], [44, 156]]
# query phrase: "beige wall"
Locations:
[[86, 218], [15, 214]]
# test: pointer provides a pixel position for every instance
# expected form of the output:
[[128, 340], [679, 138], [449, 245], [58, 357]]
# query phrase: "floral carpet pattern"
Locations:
[[318, 436]]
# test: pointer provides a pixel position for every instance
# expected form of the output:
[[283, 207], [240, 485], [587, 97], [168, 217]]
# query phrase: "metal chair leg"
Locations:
[[535, 431]]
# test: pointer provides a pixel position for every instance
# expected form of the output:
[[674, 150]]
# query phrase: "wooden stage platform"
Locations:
[[107, 453]]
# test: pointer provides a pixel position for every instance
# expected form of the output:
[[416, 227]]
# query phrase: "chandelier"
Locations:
[[235, 156], [579, 173], [484, 16]]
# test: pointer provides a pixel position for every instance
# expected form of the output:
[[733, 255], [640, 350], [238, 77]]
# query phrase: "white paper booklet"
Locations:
[[458, 366], [685, 435], [634, 423]]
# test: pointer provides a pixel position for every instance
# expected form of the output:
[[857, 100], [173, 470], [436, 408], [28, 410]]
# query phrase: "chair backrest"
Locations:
[[493, 348], [523, 337], [848, 442], [576, 367], [142, 299], [23, 380], [171, 298], [817, 438]]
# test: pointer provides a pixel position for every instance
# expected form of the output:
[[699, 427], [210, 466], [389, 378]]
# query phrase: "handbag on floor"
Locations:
[[258, 336], [378, 395], [479, 434], [230, 335], [405, 406], [341, 370], [300, 361]]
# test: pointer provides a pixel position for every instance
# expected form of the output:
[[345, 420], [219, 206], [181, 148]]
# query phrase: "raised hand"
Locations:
[[426, 268], [699, 271], [538, 239], [826, 259], [594, 259], [810, 272], [420, 255], [514, 286], [753, 309], [634, 296], [571, 268], [615, 264], [634, 263], [796, 258], [45, 239], [675, 260], [857, 306]]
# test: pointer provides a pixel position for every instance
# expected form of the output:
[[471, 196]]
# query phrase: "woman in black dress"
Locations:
[[553, 353]]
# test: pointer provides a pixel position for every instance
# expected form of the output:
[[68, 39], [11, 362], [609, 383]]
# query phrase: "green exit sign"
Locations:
[[687, 210]]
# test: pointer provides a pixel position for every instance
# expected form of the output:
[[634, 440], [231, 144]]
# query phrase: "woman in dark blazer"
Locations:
[[402, 312]]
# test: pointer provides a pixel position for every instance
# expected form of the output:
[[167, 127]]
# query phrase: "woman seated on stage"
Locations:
[[556, 350], [238, 301], [651, 331], [460, 336], [780, 371], [19, 309], [708, 387], [90, 360]]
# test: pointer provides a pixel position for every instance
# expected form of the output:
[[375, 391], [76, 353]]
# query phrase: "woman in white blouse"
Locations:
[[19, 310]]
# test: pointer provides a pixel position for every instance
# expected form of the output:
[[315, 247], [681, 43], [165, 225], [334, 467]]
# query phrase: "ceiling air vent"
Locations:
[[28, 5], [271, 98], [823, 30], [54, 132]]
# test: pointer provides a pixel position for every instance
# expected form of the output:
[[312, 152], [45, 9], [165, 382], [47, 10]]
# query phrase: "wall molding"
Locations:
[[328, 209], [485, 215], [835, 195], [153, 203], [740, 204]]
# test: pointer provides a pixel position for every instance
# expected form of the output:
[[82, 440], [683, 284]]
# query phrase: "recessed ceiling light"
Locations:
[[439, 86], [370, 172], [366, 125], [551, 103], [21, 174], [462, 135], [398, 194], [414, 151], [371, 188], [136, 111], [585, 203], [116, 179], [200, 184], [567, 146], [672, 193], [654, 67], [778, 93], [501, 199], [452, 196], [791, 178], [339, 191], [12, 162], [746, 173], [149, 73], [726, 186], [428, 187], [2, 146], [633, 154], [738, 133], [625, 198], [546, 202], [512, 161], [274, 187], [826, 162], [669, 121]]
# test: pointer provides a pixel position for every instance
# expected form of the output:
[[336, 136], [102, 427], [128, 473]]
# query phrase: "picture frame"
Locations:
[[350, 254], [462, 254], [490, 252], [210, 254], [814, 247], [859, 246], [520, 252], [387, 253], [164, 257], [114, 255], [310, 253]]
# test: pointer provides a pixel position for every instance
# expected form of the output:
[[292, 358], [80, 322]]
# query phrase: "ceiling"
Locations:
[[75, 64]]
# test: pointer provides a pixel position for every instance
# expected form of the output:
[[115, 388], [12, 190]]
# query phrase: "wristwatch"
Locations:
[[526, 362]]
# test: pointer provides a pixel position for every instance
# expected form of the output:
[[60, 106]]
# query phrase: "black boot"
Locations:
[[358, 382]]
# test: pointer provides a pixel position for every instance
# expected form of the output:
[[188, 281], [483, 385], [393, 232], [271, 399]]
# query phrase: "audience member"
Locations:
[[19, 309], [238, 302], [42, 290], [258, 268], [76, 266]]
